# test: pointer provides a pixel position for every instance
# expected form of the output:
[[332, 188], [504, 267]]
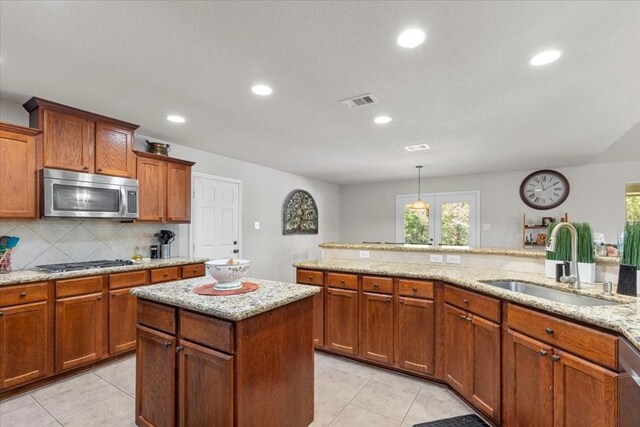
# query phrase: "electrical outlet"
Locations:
[[486, 227], [453, 259], [436, 258], [364, 254], [256, 225]]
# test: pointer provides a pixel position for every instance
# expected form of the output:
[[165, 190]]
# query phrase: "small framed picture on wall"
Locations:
[[546, 220]]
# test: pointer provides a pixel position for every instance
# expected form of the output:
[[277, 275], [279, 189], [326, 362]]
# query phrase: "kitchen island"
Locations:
[[235, 360]]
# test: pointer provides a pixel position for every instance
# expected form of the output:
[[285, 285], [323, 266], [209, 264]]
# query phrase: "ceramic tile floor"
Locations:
[[347, 394]]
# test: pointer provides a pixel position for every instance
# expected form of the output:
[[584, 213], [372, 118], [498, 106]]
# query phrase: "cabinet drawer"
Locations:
[[23, 294], [415, 288], [82, 286], [345, 281], [585, 342], [193, 270], [213, 333], [484, 306], [377, 284], [128, 280], [165, 274], [157, 316], [309, 277]]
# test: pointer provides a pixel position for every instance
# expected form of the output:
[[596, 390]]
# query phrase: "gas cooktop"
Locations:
[[86, 265]]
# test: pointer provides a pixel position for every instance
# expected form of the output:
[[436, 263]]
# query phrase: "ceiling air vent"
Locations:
[[359, 101]]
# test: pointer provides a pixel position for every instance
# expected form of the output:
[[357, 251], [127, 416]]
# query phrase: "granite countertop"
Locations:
[[26, 276], [524, 253], [623, 318], [269, 295]]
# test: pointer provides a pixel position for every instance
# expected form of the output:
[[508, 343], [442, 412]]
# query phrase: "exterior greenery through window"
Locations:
[[633, 208], [454, 227], [416, 226]]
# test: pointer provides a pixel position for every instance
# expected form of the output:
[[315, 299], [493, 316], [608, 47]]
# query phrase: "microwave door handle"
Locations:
[[123, 201]]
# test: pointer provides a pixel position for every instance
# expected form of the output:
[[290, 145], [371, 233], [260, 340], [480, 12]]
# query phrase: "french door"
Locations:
[[451, 219]]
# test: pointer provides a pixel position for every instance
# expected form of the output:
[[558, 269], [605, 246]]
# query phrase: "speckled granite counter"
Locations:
[[624, 318], [268, 296], [437, 249], [25, 276]]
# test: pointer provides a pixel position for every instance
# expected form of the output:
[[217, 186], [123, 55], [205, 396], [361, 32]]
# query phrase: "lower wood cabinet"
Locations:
[[318, 318], [79, 330], [416, 335], [342, 321], [24, 343], [122, 320], [376, 327]]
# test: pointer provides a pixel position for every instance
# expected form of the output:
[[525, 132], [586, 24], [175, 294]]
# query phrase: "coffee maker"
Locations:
[[165, 237]]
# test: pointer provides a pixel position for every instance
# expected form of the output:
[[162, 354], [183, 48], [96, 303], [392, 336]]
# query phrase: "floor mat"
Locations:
[[463, 421]]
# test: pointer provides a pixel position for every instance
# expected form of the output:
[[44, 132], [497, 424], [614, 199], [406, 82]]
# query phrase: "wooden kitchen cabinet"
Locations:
[[78, 140], [315, 278], [416, 335], [25, 347], [457, 344], [164, 188], [342, 320], [122, 320], [18, 180], [376, 327]]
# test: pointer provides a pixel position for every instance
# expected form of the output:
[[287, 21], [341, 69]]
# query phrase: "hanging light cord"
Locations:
[[419, 175]]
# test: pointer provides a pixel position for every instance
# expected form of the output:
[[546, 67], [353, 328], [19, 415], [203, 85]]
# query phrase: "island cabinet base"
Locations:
[[197, 370]]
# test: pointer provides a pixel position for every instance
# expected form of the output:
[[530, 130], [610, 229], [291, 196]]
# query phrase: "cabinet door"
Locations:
[[318, 318], [69, 142], [114, 151], [79, 330], [457, 349], [528, 380], [342, 320], [205, 386], [178, 192], [24, 346], [155, 378], [376, 327], [152, 183], [122, 321], [485, 362], [416, 335], [17, 175], [585, 394]]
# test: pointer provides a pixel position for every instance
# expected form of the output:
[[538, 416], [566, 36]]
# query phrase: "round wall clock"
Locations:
[[544, 189]]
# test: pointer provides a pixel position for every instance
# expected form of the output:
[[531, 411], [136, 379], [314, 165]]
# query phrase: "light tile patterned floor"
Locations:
[[347, 394]]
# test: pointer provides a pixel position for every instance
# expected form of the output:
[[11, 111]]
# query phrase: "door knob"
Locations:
[[235, 242], [235, 251]]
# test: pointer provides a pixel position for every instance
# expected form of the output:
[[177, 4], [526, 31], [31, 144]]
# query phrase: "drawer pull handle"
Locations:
[[465, 301], [543, 353], [166, 344], [179, 349], [549, 331], [555, 358], [23, 294]]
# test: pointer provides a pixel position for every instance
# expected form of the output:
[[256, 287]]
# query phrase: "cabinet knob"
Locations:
[[342, 281], [99, 169], [415, 289], [401, 301], [375, 285], [99, 297], [465, 301], [328, 291], [179, 349], [310, 278], [469, 319], [555, 358], [166, 344], [1, 313], [86, 168], [23, 294], [543, 353], [549, 331], [165, 274], [113, 295], [463, 317], [194, 270], [388, 300]]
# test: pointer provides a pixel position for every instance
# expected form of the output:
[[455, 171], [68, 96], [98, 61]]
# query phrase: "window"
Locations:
[[451, 220], [633, 202]]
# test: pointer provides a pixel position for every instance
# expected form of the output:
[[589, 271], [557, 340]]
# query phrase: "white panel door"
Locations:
[[216, 218]]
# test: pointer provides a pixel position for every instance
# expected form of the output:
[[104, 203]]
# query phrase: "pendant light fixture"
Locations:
[[419, 204]]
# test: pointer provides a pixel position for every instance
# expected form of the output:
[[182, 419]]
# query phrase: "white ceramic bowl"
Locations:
[[226, 275]]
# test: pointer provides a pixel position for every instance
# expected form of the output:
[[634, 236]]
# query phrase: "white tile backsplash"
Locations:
[[54, 241]]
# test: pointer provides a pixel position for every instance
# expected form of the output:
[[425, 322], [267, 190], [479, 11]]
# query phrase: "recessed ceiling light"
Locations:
[[262, 90], [546, 57], [416, 147], [411, 38], [175, 119], [382, 120]]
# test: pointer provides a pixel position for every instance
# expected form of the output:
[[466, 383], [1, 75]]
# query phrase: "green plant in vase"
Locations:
[[585, 252], [562, 252], [630, 263]]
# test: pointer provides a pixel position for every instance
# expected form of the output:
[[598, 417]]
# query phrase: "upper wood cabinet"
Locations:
[[82, 141], [164, 188], [18, 183]]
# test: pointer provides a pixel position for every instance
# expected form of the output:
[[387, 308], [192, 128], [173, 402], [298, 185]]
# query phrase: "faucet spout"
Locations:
[[574, 277]]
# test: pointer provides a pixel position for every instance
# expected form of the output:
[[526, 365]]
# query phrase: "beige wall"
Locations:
[[597, 196]]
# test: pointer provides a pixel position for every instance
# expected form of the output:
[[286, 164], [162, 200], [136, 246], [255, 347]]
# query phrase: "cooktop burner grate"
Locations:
[[86, 265]]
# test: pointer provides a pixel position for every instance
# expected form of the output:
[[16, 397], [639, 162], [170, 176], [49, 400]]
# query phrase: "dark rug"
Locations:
[[463, 421]]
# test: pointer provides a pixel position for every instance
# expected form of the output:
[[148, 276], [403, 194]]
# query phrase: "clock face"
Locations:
[[544, 189]]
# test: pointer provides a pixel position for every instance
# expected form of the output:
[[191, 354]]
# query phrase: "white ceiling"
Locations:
[[468, 92]]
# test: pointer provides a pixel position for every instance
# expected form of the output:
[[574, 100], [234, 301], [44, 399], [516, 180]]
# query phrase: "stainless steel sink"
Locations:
[[550, 294]]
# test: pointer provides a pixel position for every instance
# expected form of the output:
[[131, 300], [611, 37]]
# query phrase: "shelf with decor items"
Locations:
[[534, 235]]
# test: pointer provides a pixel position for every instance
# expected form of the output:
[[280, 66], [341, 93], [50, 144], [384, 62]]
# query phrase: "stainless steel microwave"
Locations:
[[86, 195]]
